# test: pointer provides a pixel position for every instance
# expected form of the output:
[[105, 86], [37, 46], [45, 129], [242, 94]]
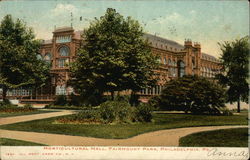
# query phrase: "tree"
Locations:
[[192, 93], [114, 56], [235, 71], [19, 65]]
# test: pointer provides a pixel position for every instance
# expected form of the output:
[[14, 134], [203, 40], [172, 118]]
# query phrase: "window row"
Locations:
[[168, 62], [152, 91], [19, 92], [63, 39], [63, 90]]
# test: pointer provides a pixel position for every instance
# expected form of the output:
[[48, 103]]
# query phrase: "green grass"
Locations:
[[14, 142], [11, 114], [117, 131], [237, 137]]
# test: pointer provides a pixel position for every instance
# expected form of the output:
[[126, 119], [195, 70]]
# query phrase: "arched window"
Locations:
[[39, 57], [64, 51], [169, 62], [165, 60], [175, 64], [181, 68], [47, 57]]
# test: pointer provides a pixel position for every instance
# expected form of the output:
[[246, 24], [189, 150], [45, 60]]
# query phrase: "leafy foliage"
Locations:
[[114, 57], [111, 112], [61, 100], [18, 56], [9, 108], [5, 102], [116, 111], [154, 102], [193, 93], [235, 61], [143, 113]]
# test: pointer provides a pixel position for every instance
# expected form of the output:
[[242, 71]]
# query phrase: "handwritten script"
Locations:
[[235, 154]]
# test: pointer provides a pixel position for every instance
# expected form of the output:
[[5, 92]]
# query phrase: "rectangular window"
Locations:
[[60, 90], [61, 63]]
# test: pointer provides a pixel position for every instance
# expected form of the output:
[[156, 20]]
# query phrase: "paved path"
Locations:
[[168, 137], [24, 118]]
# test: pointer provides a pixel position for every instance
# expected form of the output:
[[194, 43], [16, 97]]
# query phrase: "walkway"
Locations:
[[168, 137], [24, 118]]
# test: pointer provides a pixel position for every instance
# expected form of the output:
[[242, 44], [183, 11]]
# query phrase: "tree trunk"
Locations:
[[4, 93], [112, 95], [238, 105], [132, 98]]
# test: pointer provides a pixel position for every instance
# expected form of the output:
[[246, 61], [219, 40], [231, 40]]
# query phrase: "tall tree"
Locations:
[[115, 56], [235, 71], [19, 65]]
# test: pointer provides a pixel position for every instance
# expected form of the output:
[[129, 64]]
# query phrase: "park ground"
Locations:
[[166, 130]]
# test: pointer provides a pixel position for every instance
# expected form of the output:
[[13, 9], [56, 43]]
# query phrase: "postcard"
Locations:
[[124, 79]]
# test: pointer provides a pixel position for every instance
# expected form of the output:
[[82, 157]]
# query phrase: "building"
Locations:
[[176, 60]]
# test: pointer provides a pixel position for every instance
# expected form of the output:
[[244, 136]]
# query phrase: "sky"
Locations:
[[206, 21]]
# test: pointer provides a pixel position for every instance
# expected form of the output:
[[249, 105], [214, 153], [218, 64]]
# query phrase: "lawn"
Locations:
[[220, 138], [11, 114], [118, 131], [14, 142]]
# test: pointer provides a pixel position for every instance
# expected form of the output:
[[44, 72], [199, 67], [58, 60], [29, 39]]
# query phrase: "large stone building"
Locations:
[[176, 60]]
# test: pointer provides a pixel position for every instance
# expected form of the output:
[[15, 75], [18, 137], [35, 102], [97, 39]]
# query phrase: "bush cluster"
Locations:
[[116, 111], [193, 94], [4, 102], [9, 108], [112, 112], [143, 113]]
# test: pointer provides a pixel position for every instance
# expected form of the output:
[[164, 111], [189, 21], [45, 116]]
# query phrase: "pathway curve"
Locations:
[[168, 137], [24, 118]]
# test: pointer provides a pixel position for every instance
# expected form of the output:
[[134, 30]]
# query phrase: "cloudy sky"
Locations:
[[204, 21]]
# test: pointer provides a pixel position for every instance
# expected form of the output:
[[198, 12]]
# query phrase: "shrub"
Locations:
[[111, 112], [122, 98], [74, 100], [116, 111], [195, 94], [13, 108], [5, 102], [143, 113], [61, 100]]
